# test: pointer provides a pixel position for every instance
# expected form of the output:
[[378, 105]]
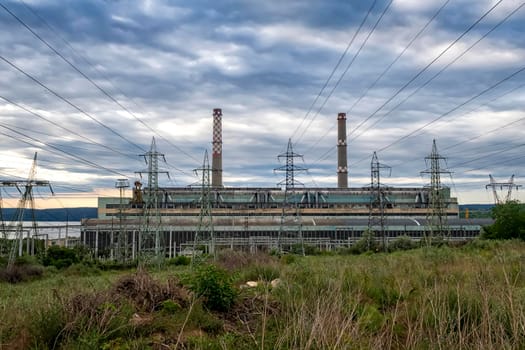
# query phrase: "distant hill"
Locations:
[[476, 206], [69, 214], [476, 210]]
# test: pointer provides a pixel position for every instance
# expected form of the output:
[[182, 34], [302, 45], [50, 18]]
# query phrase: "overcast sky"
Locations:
[[414, 71]]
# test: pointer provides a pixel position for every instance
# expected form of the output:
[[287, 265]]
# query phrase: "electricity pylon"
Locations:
[[18, 218], [378, 201], [290, 207], [436, 208], [150, 235], [204, 231], [509, 185]]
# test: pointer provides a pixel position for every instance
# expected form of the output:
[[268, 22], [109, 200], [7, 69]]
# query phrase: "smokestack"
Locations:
[[216, 161], [342, 165]]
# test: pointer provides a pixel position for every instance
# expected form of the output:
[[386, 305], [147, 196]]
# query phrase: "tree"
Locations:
[[509, 221]]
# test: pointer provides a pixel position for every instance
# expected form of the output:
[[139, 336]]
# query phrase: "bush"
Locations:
[[367, 243], [180, 260], [509, 222], [60, 257], [215, 286], [402, 243], [19, 273]]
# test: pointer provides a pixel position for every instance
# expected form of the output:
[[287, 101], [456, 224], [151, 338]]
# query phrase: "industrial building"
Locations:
[[170, 220]]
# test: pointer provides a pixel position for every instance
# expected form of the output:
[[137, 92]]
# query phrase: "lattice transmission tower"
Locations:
[[16, 225], [204, 232], [378, 201], [150, 235], [291, 224], [509, 185], [437, 207]]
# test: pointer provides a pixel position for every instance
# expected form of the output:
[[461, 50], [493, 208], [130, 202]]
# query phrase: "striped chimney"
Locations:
[[216, 161], [342, 165]]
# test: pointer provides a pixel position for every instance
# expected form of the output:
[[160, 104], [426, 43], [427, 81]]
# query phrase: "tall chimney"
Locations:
[[216, 161], [342, 165]]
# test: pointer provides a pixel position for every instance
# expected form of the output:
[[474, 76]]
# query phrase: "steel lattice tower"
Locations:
[[509, 185], [150, 233], [378, 200], [18, 217], [290, 205], [437, 208], [204, 231]]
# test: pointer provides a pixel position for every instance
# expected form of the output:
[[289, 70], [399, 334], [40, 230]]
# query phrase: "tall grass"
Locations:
[[471, 297], [428, 298]]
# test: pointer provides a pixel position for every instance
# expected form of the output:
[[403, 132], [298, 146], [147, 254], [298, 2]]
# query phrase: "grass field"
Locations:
[[471, 297]]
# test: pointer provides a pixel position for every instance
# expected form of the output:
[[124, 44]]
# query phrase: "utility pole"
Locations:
[[437, 208], [122, 237], [151, 230], [204, 231], [290, 207], [378, 201]]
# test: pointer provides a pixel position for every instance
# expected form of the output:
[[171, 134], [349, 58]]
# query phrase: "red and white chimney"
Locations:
[[216, 161]]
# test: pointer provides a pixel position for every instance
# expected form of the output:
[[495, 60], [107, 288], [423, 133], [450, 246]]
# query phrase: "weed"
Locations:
[[215, 286]]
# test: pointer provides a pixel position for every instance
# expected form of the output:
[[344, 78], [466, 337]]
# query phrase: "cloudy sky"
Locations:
[[87, 84]]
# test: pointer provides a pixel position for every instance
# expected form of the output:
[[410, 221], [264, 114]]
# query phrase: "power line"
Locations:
[[387, 69], [347, 68], [335, 68], [441, 70], [67, 101], [107, 94], [482, 134], [63, 127], [426, 67], [457, 107], [71, 155]]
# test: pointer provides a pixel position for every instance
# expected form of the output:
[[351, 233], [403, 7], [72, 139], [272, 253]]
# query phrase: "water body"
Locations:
[[53, 229]]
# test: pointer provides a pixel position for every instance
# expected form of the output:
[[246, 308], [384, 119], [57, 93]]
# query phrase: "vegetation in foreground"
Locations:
[[433, 297]]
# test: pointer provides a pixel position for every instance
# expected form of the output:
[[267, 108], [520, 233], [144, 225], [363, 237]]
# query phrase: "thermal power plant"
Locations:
[[211, 216]]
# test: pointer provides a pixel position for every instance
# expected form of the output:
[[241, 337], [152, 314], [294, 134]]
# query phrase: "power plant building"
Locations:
[[264, 217]]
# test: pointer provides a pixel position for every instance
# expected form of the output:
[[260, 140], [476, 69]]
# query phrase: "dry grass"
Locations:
[[429, 298], [472, 297]]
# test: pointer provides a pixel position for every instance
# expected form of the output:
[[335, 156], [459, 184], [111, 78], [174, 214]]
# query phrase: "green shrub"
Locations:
[[81, 270], [402, 243], [215, 286], [509, 222], [180, 260], [288, 259], [367, 243], [60, 257], [170, 306]]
